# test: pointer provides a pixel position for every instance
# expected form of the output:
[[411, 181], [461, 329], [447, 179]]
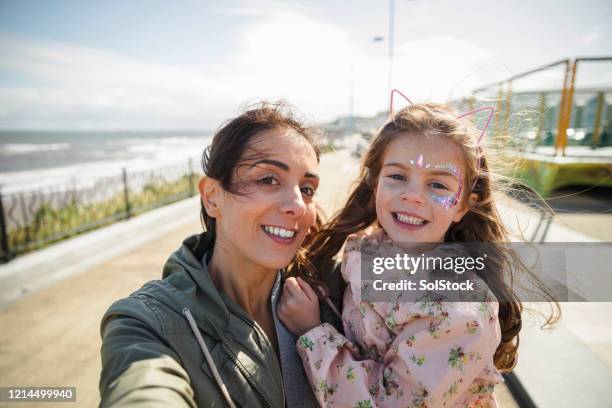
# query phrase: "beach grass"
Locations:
[[50, 224]]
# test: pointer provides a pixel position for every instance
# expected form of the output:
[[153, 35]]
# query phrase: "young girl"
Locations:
[[423, 179]]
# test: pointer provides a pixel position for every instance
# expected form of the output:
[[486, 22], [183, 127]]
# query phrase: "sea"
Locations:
[[32, 160]]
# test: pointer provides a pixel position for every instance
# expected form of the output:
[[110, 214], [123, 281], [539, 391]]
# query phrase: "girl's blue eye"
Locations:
[[437, 185], [308, 191], [268, 180], [398, 177]]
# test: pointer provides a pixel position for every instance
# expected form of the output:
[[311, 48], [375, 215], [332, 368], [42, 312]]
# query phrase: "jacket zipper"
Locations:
[[270, 348], [247, 376]]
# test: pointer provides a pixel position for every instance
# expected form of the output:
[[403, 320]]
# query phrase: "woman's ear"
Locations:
[[210, 194], [465, 207]]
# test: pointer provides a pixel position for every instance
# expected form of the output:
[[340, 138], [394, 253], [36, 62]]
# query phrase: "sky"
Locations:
[[192, 64]]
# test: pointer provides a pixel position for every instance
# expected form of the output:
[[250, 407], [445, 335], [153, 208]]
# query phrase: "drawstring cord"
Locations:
[[209, 360], [323, 293], [333, 307]]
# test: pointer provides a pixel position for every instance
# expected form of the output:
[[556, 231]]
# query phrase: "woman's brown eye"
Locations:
[[269, 180], [308, 191]]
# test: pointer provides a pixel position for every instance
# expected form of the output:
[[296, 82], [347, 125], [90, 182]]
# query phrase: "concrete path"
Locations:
[[51, 337], [571, 365]]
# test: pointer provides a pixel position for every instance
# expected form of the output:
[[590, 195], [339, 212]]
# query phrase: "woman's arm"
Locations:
[[138, 369]]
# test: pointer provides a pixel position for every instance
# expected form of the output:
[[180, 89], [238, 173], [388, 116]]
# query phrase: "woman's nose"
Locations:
[[293, 203]]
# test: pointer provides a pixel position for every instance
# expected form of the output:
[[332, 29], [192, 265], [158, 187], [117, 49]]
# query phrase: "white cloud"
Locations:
[[281, 54], [258, 8], [291, 56], [431, 68], [313, 64], [88, 87], [592, 36]]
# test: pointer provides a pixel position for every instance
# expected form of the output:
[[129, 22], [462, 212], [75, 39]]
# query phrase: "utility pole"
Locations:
[[352, 99], [391, 39]]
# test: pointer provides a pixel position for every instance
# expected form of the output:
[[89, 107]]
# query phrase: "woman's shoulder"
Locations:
[[141, 305], [152, 305], [137, 351]]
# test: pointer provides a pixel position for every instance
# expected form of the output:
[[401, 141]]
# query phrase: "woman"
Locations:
[[208, 334]]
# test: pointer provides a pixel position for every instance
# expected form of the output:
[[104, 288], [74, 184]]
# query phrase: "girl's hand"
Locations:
[[298, 307]]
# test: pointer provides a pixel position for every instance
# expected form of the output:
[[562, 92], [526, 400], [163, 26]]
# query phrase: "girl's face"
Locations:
[[420, 187], [268, 222]]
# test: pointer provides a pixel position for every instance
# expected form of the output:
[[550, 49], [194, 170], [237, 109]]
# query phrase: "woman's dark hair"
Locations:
[[234, 144]]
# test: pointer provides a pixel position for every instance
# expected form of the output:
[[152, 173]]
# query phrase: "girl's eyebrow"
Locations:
[[431, 170], [282, 166]]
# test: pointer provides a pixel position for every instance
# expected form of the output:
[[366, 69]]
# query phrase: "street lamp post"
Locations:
[[391, 35]]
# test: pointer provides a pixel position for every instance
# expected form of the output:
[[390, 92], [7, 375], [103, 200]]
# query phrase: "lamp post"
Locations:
[[391, 40], [352, 99], [391, 35]]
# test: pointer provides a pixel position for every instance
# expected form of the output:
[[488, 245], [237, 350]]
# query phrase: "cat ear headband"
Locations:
[[491, 110]]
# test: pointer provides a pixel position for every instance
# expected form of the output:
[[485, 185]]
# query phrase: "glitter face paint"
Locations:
[[491, 110], [444, 200], [449, 201]]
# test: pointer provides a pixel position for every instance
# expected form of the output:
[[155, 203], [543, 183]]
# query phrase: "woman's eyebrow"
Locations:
[[430, 170], [271, 162], [311, 175], [282, 166]]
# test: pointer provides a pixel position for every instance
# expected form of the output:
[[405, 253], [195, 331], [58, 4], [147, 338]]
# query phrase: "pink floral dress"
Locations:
[[413, 354]]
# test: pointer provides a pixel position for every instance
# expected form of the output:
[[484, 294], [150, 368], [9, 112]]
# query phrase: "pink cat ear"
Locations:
[[484, 129], [393, 92]]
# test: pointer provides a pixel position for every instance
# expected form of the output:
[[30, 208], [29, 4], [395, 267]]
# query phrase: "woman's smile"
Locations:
[[284, 236]]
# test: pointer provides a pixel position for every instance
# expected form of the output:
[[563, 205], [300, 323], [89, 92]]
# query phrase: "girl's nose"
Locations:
[[293, 203], [413, 194]]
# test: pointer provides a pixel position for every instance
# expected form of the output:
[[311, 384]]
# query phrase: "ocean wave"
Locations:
[[171, 140], [24, 148], [84, 175]]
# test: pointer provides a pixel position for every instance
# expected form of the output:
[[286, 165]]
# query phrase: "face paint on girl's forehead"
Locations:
[[446, 201], [419, 162]]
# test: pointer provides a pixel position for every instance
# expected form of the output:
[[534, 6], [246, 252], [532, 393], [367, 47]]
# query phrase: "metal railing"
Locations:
[[559, 116], [35, 218]]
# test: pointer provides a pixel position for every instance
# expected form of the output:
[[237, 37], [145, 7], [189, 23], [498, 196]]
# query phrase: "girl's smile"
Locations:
[[409, 220]]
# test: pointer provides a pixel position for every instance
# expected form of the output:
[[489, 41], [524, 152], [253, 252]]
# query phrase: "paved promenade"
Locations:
[[51, 301]]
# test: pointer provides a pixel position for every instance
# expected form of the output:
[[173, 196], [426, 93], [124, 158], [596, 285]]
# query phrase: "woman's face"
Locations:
[[420, 187], [269, 220]]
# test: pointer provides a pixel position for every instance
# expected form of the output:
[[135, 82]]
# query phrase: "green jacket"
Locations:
[[151, 357]]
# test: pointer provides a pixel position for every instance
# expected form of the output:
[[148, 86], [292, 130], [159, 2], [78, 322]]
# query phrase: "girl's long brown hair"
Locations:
[[482, 223]]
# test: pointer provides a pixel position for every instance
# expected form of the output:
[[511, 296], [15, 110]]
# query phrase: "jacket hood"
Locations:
[[187, 284]]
